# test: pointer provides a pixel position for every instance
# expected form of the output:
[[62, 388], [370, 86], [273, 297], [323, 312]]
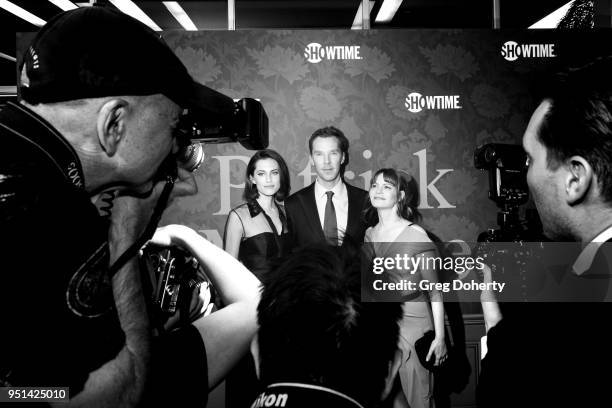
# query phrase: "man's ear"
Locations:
[[111, 124], [255, 353], [579, 179], [310, 161], [394, 366]]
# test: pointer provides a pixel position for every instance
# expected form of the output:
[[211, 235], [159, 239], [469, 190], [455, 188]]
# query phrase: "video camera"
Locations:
[[513, 259], [506, 165]]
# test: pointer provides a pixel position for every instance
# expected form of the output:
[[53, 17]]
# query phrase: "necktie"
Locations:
[[330, 226]]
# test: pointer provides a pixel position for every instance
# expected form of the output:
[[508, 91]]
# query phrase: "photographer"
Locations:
[[100, 99], [552, 354]]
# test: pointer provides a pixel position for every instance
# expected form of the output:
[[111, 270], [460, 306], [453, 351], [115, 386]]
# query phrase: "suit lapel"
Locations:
[[312, 215], [354, 210]]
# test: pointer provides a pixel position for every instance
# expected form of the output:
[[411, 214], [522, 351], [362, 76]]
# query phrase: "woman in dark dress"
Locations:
[[256, 234], [256, 231]]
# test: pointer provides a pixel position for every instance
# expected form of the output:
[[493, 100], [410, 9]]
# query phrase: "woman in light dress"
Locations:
[[392, 214]]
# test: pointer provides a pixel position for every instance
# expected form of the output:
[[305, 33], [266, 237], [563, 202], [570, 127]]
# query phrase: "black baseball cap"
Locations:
[[97, 51]]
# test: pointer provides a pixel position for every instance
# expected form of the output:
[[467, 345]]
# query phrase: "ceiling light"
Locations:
[[552, 20], [358, 21], [10, 90], [21, 13], [387, 11], [64, 4], [131, 9], [181, 16], [7, 57]]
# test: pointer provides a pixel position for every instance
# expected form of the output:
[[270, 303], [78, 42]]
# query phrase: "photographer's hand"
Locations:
[[195, 310], [169, 235], [228, 332]]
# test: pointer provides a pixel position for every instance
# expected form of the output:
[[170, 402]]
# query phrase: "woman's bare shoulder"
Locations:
[[415, 233]]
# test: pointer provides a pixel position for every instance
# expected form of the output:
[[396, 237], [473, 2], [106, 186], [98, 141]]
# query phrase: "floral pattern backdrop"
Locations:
[[365, 99]]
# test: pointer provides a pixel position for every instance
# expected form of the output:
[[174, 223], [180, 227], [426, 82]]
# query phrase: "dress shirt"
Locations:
[[340, 200]]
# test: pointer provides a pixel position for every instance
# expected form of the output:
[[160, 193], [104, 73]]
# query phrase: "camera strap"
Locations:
[[133, 250]]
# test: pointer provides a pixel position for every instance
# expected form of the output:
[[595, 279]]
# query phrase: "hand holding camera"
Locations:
[[180, 289]]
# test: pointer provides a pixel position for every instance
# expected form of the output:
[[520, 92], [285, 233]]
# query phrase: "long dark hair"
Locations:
[[406, 206], [250, 189]]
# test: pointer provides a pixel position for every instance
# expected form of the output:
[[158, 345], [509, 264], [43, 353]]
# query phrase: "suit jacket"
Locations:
[[303, 217]]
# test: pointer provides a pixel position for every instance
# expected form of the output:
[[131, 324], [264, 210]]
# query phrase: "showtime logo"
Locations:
[[415, 102], [315, 52], [512, 51]]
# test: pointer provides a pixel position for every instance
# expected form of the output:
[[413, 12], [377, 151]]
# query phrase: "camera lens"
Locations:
[[191, 157]]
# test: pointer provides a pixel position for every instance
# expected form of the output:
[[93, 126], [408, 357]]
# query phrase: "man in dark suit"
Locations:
[[552, 354], [329, 209]]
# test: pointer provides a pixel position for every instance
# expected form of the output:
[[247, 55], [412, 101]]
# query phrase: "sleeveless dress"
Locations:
[[416, 380], [260, 251]]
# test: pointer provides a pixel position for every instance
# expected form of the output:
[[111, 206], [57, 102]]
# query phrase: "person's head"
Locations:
[[392, 189], [112, 88], [267, 174], [329, 153], [569, 145], [313, 328], [121, 141]]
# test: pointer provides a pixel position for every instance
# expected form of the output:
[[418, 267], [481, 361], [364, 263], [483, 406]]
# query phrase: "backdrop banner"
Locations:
[[416, 100]]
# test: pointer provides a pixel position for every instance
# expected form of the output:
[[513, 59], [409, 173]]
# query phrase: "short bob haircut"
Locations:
[[250, 189], [407, 206]]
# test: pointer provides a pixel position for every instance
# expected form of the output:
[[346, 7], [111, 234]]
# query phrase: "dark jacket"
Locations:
[[303, 217], [59, 324]]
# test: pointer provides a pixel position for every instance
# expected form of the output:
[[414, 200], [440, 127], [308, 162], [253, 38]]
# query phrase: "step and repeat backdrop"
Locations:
[[416, 100]]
